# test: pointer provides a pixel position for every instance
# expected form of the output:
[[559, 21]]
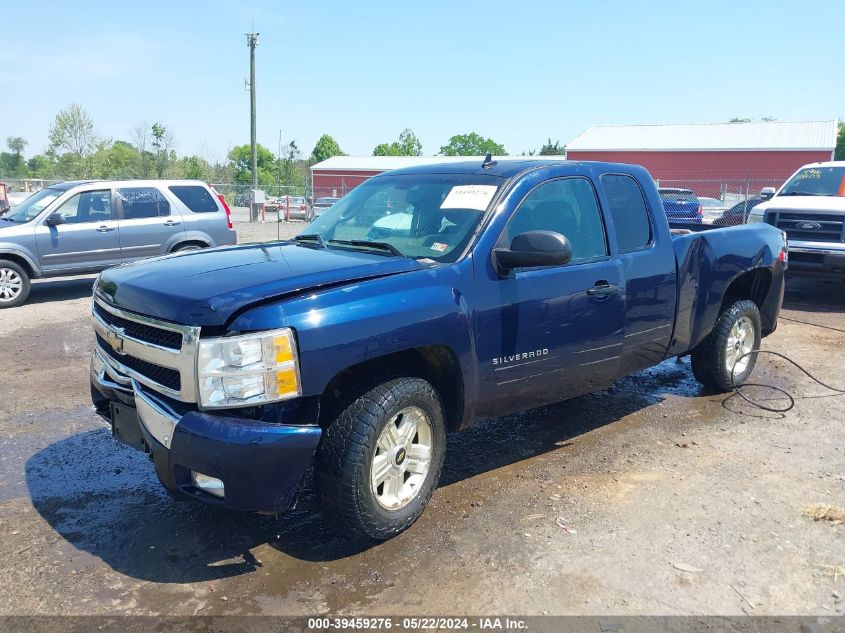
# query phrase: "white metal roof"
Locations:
[[757, 135], [385, 163]]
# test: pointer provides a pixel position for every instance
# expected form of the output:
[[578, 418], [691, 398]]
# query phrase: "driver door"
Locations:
[[87, 240]]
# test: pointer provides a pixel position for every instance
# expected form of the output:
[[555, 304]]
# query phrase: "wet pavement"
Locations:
[[650, 497]]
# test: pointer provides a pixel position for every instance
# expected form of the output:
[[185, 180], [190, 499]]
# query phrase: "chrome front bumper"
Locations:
[[158, 421]]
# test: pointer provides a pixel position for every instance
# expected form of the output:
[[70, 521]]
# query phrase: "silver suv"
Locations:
[[85, 226]]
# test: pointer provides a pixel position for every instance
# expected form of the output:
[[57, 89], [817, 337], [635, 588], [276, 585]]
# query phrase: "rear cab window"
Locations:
[[196, 197], [678, 195], [628, 210]]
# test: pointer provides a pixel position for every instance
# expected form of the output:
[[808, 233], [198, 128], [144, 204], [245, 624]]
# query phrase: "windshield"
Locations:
[[816, 181], [417, 215], [31, 208]]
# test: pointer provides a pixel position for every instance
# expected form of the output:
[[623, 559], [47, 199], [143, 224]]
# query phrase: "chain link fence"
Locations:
[[727, 198], [27, 185], [718, 196]]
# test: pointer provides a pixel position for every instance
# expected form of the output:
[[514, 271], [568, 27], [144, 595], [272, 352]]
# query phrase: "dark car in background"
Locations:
[[738, 213], [681, 205], [711, 208]]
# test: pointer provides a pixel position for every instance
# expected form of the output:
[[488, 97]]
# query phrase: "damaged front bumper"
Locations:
[[260, 464]]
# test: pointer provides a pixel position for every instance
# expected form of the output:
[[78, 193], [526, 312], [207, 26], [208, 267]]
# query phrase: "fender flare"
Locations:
[[28, 259], [176, 241]]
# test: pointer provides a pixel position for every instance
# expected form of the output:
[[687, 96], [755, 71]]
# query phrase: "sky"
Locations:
[[517, 72]]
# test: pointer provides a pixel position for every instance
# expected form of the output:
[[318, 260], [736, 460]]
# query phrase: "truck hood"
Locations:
[[803, 203], [208, 287]]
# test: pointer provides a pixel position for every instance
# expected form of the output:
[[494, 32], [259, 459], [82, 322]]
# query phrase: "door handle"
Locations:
[[171, 223], [105, 229], [602, 289]]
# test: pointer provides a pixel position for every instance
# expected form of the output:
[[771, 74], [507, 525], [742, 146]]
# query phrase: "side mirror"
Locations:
[[55, 219], [533, 248]]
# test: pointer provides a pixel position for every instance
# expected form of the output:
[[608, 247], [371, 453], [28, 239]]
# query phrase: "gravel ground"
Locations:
[[672, 500]]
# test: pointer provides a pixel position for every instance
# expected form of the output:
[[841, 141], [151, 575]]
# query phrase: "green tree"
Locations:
[[42, 165], [16, 145], [839, 154], [162, 144], [407, 145], [241, 162], [552, 149], [73, 132], [739, 119], [290, 163], [325, 148], [472, 144], [196, 168], [116, 160]]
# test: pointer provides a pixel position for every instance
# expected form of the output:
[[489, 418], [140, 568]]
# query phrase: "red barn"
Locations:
[[763, 151], [338, 175]]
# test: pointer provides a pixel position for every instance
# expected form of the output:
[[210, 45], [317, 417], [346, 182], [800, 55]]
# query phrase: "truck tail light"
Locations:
[[699, 211]]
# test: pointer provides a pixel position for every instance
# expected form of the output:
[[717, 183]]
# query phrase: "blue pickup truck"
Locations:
[[425, 299]]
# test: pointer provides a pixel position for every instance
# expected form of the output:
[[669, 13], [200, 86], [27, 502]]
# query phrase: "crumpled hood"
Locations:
[[208, 287]]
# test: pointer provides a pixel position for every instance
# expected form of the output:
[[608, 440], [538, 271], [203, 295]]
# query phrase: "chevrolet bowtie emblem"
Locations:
[[115, 340]]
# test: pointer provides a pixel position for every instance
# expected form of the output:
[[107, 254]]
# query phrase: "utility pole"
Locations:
[[252, 42]]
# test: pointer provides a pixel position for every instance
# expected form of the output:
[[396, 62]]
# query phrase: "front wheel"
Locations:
[[14, 284], [727, 349], [380, 460]]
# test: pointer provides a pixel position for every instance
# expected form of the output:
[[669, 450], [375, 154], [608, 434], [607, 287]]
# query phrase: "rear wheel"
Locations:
[[14, 284], [380, 460], [187, 247], [728, 348]]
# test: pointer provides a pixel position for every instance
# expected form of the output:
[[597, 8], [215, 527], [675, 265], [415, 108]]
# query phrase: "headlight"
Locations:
[[239, 371], [755, 217]]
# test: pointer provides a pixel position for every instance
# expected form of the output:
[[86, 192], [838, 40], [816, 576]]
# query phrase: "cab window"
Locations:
[[88, 206], [567, 206], [628, 210], [143, 202]]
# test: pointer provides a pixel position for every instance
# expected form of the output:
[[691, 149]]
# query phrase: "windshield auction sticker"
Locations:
[[475, 197]]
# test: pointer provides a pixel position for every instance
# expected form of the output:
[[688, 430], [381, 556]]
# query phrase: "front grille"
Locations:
[[810, 227], [141, 331], [164, 376]]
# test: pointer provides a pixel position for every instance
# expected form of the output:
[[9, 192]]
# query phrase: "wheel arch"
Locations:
[[752, 285], [188, 242], [438, 364], [22, 260]]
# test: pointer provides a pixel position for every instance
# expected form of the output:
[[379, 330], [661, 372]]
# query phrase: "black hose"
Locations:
[[738, 388]]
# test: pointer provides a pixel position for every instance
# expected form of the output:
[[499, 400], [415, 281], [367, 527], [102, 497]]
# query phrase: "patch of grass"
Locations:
[[824, 512]]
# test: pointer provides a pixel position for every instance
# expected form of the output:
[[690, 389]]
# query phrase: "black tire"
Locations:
[[14, 284], [184, 248], [710, 357], [348, 448]]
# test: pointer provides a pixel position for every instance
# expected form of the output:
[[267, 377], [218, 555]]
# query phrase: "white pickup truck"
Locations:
[[810, 207]]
